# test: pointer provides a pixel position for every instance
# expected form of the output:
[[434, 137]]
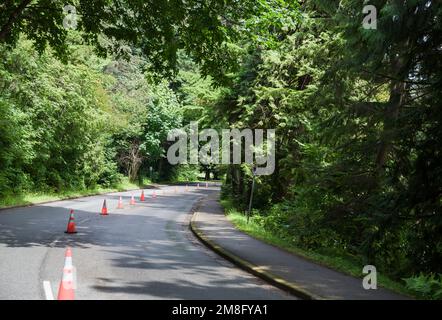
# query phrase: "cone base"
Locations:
[[64, 294], [69, 232]]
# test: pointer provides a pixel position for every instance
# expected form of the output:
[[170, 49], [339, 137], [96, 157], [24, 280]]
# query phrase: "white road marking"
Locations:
[[48, 290]]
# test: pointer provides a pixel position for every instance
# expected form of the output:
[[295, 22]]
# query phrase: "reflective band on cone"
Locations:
[[120, 203], [71, 223], [66, 290]]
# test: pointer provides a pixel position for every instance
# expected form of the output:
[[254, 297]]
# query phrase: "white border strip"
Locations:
[[48, 290]]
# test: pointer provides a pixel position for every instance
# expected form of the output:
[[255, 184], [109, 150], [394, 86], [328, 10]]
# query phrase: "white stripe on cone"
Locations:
[[67, 285]]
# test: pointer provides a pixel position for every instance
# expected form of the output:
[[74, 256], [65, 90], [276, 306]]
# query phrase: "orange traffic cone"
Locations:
[[66, 289], [132, 201], [154, 194], [142, 196], [120, 203], [104, 209], [71, 223]]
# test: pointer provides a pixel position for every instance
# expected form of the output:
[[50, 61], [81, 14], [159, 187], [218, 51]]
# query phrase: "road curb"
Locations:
[[253, 269]]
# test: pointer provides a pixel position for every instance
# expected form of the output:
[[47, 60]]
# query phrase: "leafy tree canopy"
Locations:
[[158, 28]]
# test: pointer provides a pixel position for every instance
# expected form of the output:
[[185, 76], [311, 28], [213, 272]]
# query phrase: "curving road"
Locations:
[[144, 251]]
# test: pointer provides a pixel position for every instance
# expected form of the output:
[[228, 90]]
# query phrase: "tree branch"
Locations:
[[6, 28]]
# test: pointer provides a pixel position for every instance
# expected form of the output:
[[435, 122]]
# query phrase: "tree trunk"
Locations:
[[15, 14], [397, 97], [395, 103], [133, 161]]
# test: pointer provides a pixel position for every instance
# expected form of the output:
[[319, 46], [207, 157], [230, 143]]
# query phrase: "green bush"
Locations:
[[426, 286], [304, 229], [186, 173], [54, 126]]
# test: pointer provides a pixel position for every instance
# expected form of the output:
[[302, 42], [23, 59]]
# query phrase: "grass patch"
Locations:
[[39, 197], [327, 257]]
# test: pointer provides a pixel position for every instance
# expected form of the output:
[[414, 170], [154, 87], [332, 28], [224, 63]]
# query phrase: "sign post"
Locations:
[[251, 194]]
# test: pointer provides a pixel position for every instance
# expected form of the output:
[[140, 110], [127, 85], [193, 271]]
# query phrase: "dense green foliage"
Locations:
[[158, 28], [356, 111], [429, 287], [358, 122], [56, 123], [78, 125]]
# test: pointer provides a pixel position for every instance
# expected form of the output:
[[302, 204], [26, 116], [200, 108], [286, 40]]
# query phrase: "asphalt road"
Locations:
[[144, 251]]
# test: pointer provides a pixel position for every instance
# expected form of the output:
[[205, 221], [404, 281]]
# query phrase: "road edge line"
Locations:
[[272, 279], [48, 290]]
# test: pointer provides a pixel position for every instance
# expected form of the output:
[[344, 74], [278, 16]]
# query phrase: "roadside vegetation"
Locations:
[[30, 198], [329, 257], [358, 124], [357, 116]]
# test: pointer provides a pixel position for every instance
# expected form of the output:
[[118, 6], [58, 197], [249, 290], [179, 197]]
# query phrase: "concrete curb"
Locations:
[[253, 269]]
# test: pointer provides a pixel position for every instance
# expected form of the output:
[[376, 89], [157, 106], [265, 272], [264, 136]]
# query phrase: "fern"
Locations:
[[426, 286]]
